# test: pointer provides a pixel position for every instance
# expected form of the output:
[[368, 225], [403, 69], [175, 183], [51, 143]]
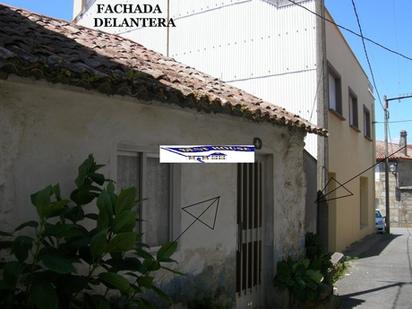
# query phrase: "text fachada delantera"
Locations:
[[130, 21]]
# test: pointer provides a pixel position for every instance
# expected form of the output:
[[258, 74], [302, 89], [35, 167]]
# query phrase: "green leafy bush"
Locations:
[[308, 278], [61, 263], [302, 280]]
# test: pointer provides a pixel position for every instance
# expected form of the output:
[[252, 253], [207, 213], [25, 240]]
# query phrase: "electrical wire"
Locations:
[[396, 121], [353, 32], [366, 53]]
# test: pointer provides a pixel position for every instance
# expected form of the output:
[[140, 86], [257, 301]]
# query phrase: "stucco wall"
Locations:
[[47, 130], [349, 151]]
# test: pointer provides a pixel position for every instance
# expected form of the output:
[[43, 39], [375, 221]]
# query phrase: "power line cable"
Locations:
[[366, 53], [353, 32], [319, 199], [395, 121]]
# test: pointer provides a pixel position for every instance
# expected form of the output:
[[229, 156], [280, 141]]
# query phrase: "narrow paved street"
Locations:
[[381, 277]]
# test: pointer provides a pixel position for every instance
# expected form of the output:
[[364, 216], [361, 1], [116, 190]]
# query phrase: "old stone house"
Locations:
[[67, 91], [400, 181]]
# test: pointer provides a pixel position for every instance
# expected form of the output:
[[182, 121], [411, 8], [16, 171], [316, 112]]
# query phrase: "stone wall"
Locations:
[[400, 199]]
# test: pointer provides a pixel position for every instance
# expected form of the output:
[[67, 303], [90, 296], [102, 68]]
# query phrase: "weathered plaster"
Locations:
[[48, 130]]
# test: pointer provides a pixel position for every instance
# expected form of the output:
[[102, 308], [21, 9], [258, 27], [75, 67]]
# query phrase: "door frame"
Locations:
[[256, 296]]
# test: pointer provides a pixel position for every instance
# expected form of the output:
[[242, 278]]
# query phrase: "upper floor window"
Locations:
[[335, 91], [153, 182], [353, 109], [367, 122]]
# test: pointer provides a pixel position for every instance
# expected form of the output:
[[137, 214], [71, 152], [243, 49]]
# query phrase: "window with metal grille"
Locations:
[[249, 220]]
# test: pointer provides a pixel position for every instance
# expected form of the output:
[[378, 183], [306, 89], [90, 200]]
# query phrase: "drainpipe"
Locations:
[[322, 104], [322, 101]]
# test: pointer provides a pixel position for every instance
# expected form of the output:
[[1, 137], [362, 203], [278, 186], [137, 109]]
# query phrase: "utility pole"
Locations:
[[386, 110], [387, 210]]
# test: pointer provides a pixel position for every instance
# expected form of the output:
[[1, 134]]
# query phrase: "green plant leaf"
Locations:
[[306, 263], [126, 200], [110, 187], [113, 280], [124, 221], [174, 271], [62, 230], [314, 275], [145, 281], [166, 251], [98, 178], [56, 191], [122, 242], [82, 196], [57, 264], [123, 264], [12, 272], [41, 200], [151, 265], [55, 209], [32, 224], [104, 204], [143, 253], [21, 247], [74, 214], [84, 170], [98, 243], [44, 296], [92, 216]]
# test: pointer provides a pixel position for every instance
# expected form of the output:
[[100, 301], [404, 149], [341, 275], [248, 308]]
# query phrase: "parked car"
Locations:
[[379, 221]]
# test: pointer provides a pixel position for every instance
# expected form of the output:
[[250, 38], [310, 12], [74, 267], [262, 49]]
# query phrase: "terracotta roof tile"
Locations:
[[392, 148], [33, 45]]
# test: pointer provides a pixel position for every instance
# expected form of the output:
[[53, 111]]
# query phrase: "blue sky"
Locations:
[[387, 22]]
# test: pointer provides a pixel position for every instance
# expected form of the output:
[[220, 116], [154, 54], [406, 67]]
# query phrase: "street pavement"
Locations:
[[381, 276]]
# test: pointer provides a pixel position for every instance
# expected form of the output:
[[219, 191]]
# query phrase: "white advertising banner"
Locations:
[[207, 154]]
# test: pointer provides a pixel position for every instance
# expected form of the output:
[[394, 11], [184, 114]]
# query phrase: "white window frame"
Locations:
[[144, 153], [144, 157]]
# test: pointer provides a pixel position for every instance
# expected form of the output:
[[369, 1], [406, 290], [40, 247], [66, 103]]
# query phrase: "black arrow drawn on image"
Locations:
[[212, 201]]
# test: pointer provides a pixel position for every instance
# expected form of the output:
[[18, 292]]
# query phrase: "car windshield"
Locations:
[[378, 214]]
